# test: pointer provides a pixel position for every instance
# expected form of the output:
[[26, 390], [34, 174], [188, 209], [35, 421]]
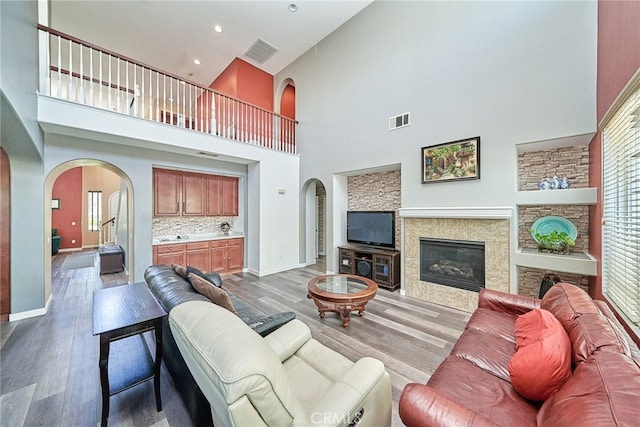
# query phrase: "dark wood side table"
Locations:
[[120, 312]]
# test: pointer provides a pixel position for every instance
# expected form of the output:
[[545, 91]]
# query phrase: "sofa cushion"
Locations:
[[181, 270], [542, 362], [492, 322], [603, 391], [213, 278], [488, 352], [215, 294], [482, 392], [583, 321]]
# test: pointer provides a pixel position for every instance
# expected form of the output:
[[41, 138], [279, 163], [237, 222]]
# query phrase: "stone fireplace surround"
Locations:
[[491, 225]]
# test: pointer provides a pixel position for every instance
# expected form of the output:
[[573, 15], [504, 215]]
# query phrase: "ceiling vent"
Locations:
[[399, 121], [260, 51]]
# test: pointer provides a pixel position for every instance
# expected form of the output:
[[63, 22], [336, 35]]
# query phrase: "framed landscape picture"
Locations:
[[451, 161]]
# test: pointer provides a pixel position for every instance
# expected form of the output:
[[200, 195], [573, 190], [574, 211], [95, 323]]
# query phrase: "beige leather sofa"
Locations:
[[284, 379]]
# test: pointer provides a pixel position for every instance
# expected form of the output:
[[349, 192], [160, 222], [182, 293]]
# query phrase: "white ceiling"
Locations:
[[169, 35]]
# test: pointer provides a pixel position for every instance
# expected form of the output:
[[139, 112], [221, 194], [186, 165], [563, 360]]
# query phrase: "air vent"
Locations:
[[260, 51], [400, 121]]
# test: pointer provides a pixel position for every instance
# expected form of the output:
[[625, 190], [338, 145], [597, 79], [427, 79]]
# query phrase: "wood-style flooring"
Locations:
[[49, 364]]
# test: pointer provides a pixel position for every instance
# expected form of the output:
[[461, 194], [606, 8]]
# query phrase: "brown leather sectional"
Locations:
[[472, 386]]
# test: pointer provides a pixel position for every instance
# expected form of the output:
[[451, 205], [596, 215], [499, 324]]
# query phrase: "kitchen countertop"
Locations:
[[175, 238]]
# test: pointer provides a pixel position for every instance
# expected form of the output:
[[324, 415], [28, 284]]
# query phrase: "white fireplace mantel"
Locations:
[[484, 212]]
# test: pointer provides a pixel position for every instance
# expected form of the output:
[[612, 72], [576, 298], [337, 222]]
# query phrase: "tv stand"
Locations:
[[380, 265]]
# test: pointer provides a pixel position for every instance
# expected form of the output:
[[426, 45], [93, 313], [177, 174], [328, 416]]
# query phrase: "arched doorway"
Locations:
[[126, 219], [314, 224]]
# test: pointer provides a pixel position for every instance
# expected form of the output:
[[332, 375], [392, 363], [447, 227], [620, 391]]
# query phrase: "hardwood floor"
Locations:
[[49, 364]]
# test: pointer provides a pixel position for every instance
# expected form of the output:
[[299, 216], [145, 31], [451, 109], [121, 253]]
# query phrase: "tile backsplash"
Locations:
[[163, 226]]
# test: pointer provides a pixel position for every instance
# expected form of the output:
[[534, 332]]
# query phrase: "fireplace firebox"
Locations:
[[455, 263]]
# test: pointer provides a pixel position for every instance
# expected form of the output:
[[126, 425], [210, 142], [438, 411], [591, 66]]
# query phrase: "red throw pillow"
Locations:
[[542, 362]]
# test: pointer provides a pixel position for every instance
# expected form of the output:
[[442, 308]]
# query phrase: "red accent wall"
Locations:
[[246, 82], [68, 188], [618, 61], [618, 49], [288, 102], [250, 84]]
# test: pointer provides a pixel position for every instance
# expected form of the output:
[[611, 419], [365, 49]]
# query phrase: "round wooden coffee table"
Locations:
[[342, 294]]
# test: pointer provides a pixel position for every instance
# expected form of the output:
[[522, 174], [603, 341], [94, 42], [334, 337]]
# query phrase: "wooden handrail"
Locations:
[[182, 79], [89, 79]]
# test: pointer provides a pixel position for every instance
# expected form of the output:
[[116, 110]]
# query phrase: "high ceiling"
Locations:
[[169, 35]]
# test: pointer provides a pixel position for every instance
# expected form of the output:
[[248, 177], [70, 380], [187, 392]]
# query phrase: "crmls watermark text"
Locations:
[[334, 418]]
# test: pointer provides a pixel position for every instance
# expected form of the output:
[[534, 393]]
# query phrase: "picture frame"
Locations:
[[55, 203], [451, 161]]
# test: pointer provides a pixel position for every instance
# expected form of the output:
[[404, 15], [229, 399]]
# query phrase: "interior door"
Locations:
[[114, 199]]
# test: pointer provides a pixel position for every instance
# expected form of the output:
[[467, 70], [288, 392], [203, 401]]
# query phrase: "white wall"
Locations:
[[21, 138], [509, 72], [272, 222]]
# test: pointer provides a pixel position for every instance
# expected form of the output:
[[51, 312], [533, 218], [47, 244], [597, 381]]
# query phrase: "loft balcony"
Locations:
[[82, 73]]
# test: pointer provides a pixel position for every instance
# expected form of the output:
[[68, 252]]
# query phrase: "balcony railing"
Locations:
[[87, 74]]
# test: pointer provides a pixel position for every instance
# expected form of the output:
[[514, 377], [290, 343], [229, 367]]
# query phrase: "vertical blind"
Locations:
[[621, 208]]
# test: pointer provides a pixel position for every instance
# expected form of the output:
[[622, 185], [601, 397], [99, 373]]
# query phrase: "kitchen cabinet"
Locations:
[[221, 255], [170, 254], [222, 195], [229, 196], [193, 194], [167, 192], [227, 255], [177, 193], [199, 256]]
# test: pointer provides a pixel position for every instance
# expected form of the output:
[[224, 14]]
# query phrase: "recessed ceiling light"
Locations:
[[196, 61], [217, 28], [293, 7]]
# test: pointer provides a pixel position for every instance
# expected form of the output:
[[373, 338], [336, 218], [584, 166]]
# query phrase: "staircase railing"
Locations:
[[104, 232], [84, 73]]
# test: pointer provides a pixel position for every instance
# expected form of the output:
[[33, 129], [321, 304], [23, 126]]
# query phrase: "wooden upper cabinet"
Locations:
[[214, 195], [167, 192], [193, 194], [178, 193], [229, 196]]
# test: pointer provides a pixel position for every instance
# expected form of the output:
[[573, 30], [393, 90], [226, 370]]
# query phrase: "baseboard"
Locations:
[[70, 250], [279, 270], [30, 313]]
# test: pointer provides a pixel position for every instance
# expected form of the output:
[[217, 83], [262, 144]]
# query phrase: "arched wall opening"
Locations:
[[313, 233], [128, 219], [285, 98]]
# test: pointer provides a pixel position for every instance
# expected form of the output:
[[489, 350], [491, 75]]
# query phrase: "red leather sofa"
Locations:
[[473, 386]]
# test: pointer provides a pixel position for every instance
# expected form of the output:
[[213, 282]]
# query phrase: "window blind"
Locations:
[[621, 208]]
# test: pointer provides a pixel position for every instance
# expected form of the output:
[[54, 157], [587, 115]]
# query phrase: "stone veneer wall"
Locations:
[[577, 214], [570, 162], [530, 279], [376, 191], [188, 225], [495, 234]]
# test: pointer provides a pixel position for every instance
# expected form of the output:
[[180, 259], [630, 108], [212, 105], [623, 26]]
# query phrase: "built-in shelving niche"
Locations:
[[568, 157]]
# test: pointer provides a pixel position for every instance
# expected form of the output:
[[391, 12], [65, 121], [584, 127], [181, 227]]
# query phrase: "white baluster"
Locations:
[[109, 87], [59, 88], [70, 72], [91, 77], [81, 94]]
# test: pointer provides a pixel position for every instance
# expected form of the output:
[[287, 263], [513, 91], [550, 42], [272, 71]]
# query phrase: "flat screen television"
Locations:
[[374, 228]]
